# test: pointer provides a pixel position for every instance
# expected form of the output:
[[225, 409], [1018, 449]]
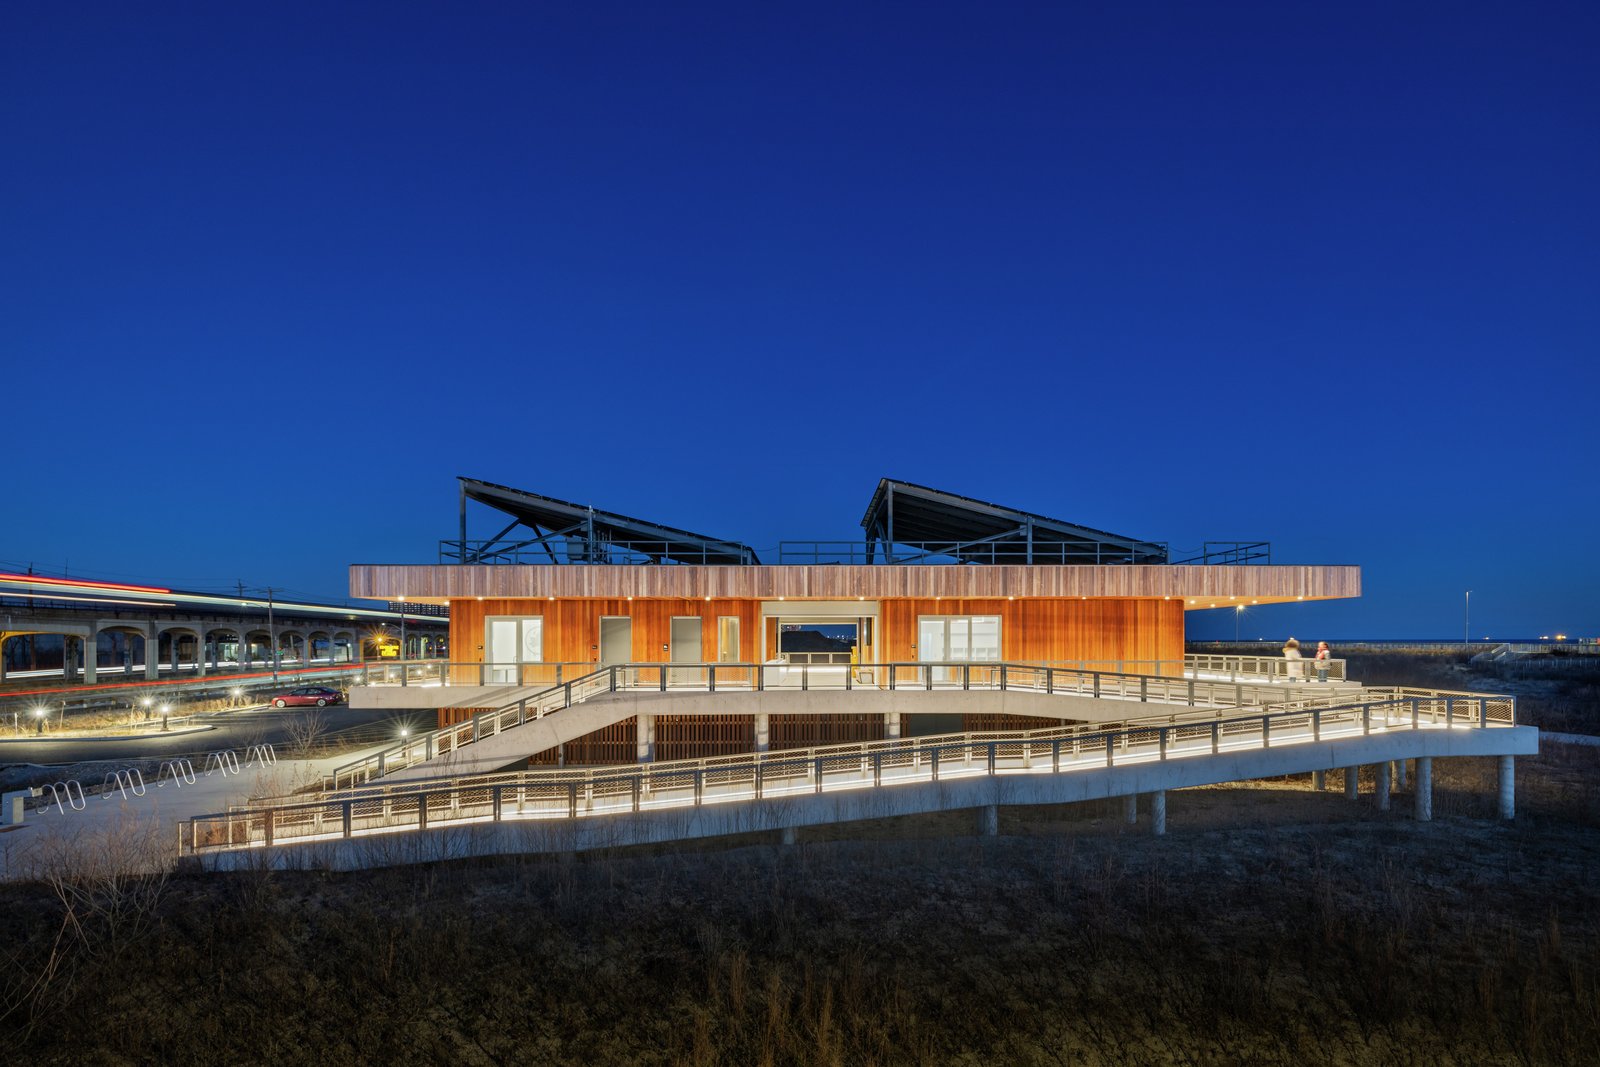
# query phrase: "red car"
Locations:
[[319, 695]]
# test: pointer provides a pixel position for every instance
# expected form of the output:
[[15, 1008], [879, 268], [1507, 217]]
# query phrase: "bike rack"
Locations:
[[128, 781], [263, 754], [225, 761], [60, 789], [180, 770]]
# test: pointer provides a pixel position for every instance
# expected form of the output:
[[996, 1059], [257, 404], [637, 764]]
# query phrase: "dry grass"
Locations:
[[1272, 925]]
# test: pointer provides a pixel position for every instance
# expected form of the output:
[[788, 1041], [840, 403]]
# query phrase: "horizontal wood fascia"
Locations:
[[443, 582]]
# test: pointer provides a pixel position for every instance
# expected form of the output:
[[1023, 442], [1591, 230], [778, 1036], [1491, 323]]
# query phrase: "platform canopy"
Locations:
[[913, 523], [564, 532]]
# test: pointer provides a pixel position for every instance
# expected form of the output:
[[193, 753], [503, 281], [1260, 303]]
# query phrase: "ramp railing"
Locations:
[[760, 677], [581, 792]]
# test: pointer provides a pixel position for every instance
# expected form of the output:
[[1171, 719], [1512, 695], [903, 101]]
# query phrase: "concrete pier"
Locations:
[[1399, 774], [1422, 800], [1130, 808], [1352, 782], [1508, 787], [788, 835], [1319, 780], [1383, 785], [989, 820], [1158, 812]]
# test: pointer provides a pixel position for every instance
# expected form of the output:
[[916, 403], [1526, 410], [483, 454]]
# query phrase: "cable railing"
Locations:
[[754, 677], [568, 794]]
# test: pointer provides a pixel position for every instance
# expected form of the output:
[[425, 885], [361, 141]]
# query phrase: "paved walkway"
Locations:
[[141, 831]]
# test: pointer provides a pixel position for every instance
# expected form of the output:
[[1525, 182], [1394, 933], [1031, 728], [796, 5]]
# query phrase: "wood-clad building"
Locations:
[[934, 583]]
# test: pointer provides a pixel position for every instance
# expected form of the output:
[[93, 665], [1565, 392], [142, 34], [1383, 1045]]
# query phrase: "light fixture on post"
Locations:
[[1238, 613], [38, 717], [1466, 623], [166, 709]]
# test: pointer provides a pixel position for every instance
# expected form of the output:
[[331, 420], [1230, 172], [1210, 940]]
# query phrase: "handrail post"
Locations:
[[1163, 736], [1366, 718], [1316, 724], [1483, 712], [992, 751], [819, 774], [1002, 677], [494, 794], [572, 799], [1449, 712], [966, 676], [1049, 681], [1416, 716], [1111, 749], [1191, 692], [877, 768], [805, 677], [1144, 689], [1096, 677], [1055, 756], [522, 711], [348, 816], [1216, 736], [711, 677], [933, 762], [1266, 731], [663, 673]]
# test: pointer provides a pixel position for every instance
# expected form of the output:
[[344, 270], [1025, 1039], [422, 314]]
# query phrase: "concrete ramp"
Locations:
[[536, 735]]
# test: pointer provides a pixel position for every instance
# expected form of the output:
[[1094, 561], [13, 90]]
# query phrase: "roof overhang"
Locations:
[[1199, 587]]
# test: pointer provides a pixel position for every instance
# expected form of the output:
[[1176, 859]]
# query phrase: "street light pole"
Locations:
[[1466, 625], [1238, 613], [272, 635]]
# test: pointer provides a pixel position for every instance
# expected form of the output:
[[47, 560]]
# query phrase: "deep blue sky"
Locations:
[[1324, 274]]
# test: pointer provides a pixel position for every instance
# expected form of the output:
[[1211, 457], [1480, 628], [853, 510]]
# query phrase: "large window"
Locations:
[[958, 638], [512, 641]]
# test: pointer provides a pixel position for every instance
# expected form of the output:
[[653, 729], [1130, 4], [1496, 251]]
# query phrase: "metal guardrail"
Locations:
[[1272, 667], [565, 549], [748, 677], [435, 672], [572, 794]]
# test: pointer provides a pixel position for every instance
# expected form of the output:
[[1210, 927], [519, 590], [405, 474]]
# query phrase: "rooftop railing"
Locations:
[[582, 550], [570, 794]]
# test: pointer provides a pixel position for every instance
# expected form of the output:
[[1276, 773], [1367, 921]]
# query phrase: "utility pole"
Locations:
[[272, 635]]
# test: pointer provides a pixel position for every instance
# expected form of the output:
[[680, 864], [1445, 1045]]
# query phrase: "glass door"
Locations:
[[508, 643], [957, 639]]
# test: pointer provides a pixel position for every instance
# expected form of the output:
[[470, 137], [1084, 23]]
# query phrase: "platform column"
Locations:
[[1422, 799], [1319, 780], [1352, 782], [1158, 812], [1383, 785], [200, 652], [1508, 787], [763, 733], [647, 738], [1130, 808], [152, 660], [1399, 774], [91, 655], [891, 725]]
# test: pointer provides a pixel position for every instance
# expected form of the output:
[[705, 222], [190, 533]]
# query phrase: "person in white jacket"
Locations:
[[1291, 655]]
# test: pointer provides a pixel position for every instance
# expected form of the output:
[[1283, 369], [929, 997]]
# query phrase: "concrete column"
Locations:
[[646, 737], [891, 725], [1319, 780], [1352, 782], [69, 658], [1508, 787], [1423, 797], [763, 733], [152, 659], [91, 655], [989, 820], [1158, 812], [1383, 785], [200, 653], [1399, 774], [789, 835], [3, 662], [1130, 808]]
